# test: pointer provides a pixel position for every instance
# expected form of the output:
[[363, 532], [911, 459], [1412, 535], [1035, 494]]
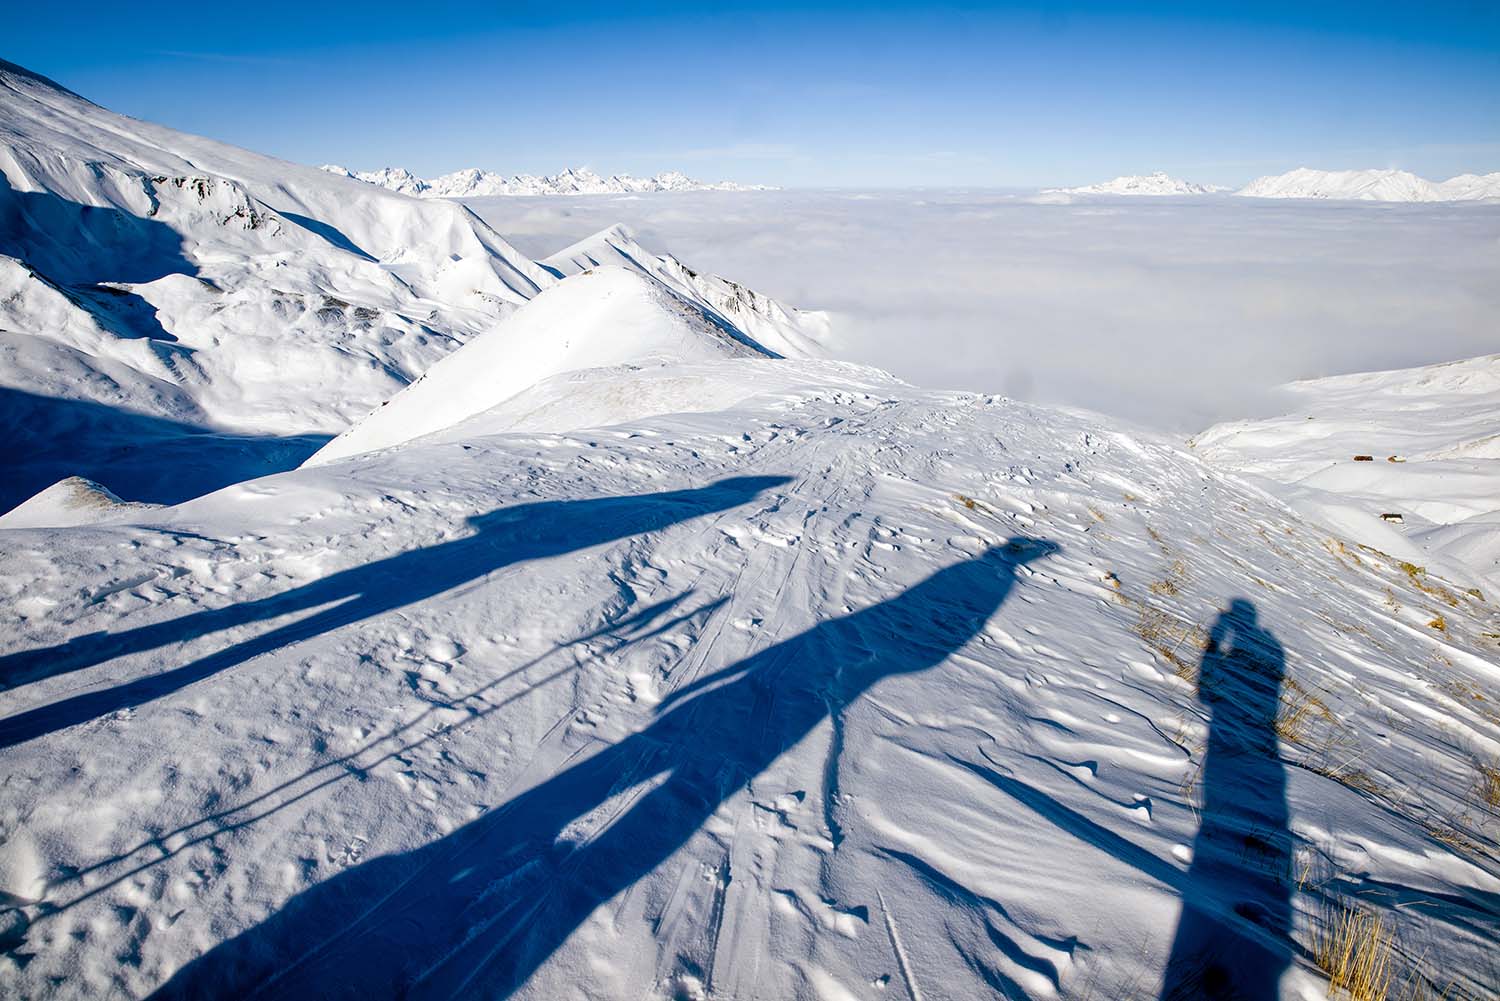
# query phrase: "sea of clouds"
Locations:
[[1174, 313]]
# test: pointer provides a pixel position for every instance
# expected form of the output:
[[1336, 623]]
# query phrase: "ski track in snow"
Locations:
[[496, 779]]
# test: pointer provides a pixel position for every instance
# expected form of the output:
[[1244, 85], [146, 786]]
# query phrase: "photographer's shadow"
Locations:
[[1232, 938]]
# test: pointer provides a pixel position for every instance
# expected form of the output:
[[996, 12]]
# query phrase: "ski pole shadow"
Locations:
[[477, 912], [1231, 939], [502, 537]]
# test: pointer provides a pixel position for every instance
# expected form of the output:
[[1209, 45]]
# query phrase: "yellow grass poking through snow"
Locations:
[[1355, 947]]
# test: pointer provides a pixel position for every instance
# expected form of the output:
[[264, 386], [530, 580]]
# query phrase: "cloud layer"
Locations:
[[1174, 313]]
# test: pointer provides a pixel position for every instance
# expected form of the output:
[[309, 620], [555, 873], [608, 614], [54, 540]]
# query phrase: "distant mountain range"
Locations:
[[476, 183], [1158, 183], [1304, 182], [1373, 185]]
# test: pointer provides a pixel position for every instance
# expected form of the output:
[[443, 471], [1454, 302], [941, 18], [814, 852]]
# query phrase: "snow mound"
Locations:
[[602, 317], [1158, 183], [472, 182], [1372, 186], [1427, 487], [790, 332], [73, 501]]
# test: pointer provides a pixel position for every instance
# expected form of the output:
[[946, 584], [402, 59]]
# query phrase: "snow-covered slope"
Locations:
[[1470, 187], [848, 690], [1430, 438], [790, 332], [1158, 183], [475, 183], [616, 657], [199, 286], [1372, 185], [603, 317], [159, 287]]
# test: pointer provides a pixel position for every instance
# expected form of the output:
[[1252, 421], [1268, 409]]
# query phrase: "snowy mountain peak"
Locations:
[[601, 317], [1372, 185], [1158, 183], [472, 182]]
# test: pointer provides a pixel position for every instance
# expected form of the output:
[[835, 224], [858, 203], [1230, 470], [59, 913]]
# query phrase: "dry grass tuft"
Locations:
[[1489, 784], [1355, 948], [1300, 709], [1439, 623]]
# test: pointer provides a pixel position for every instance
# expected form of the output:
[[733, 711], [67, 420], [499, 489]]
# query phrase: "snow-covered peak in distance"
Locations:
[[1372, 185], [1158, 183], [475, 183]]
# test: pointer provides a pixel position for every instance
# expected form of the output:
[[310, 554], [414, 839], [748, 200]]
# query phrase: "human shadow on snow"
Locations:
[[502, 537], [1232, 936], [477, 912]]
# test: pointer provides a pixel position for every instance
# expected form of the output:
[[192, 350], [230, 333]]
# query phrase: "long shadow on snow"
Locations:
[[476, 913], [76, 244], [1236, 920], [139, 457], [504, 536]]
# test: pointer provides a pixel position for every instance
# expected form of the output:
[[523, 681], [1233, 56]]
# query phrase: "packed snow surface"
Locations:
[[1158, 183], [1372, 185], [846, 689], [473, 183]]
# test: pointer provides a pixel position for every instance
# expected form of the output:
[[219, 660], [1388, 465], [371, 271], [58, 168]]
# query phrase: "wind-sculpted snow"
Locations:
[[845, 690]]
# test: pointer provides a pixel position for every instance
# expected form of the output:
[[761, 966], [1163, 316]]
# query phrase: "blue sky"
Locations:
[[826, 95]]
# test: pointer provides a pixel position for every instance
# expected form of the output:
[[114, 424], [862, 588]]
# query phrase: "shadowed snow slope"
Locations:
[[180, 279], [608, 316], [1431, 436], [848, 690]]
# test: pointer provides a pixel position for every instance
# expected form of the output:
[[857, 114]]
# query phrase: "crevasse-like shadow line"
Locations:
[[502, 537], [477, 912], [1233, 936]]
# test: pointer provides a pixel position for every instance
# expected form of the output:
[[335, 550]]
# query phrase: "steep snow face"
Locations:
[[475, 183], [1158, 183], [1428, 486], [603, 317], [846, 690], [789, 332], [1372, 185]]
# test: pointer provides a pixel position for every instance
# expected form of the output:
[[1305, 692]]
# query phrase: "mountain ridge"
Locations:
[[472, 182]]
